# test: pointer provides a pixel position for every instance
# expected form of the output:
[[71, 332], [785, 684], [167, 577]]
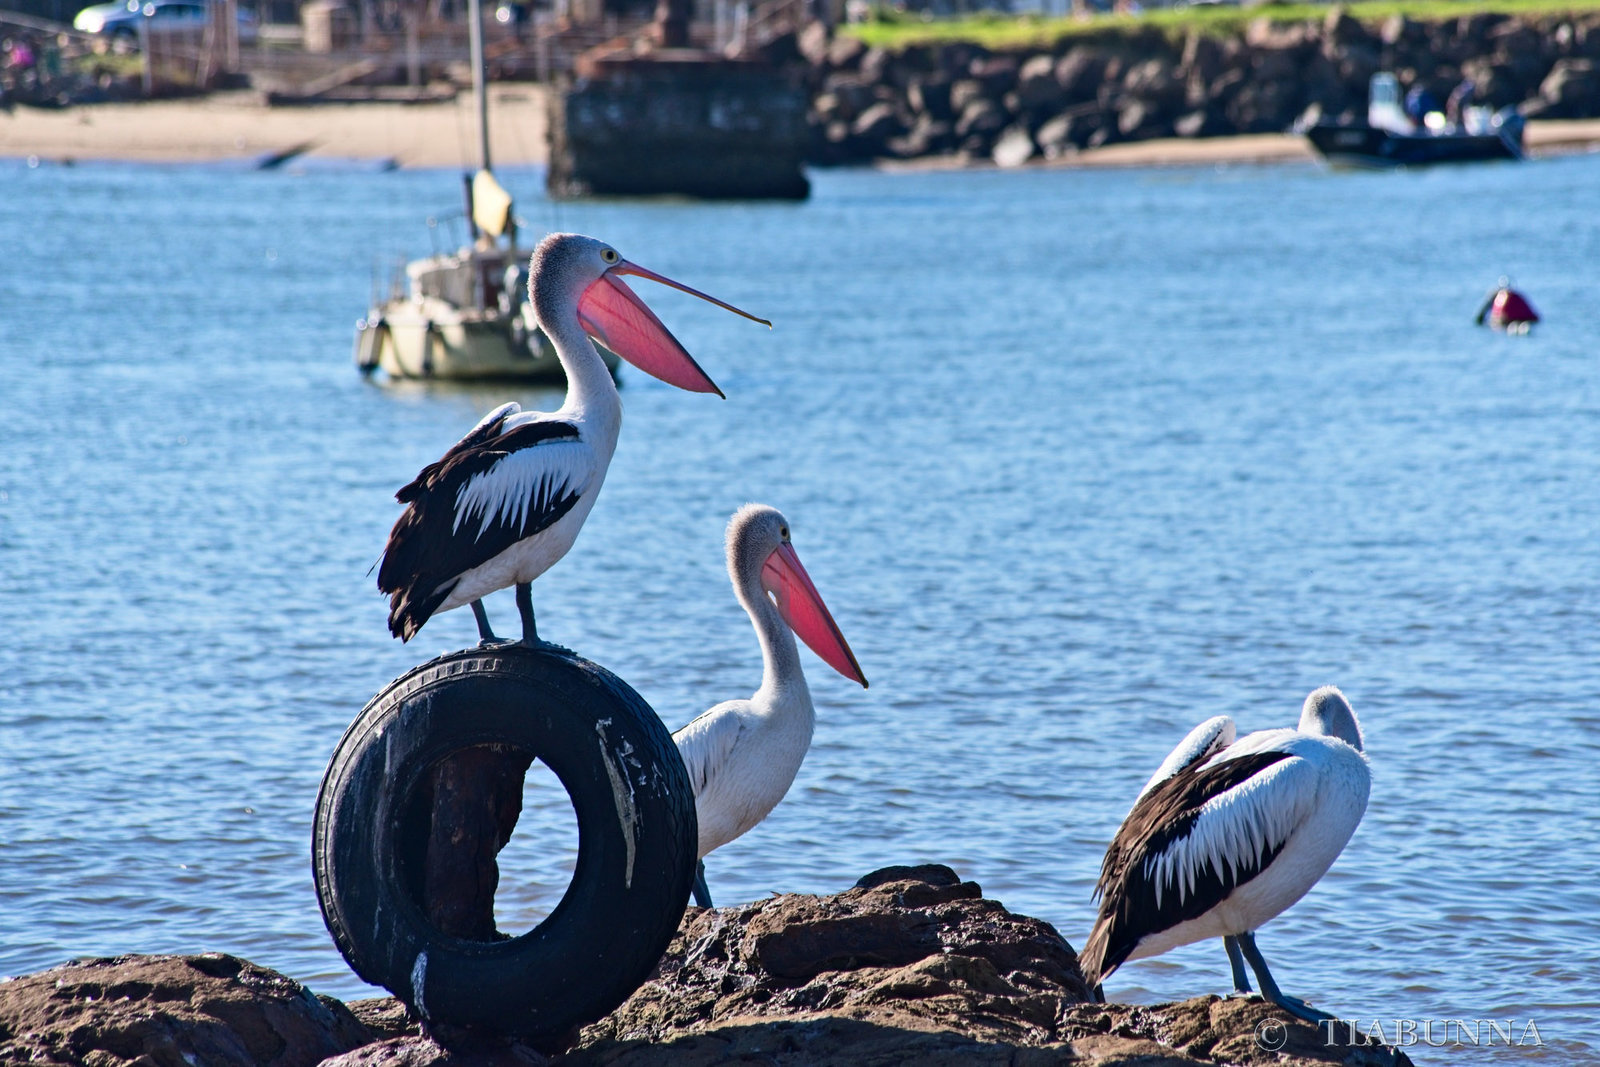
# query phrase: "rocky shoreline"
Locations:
[[1118, 85], [912, 965]]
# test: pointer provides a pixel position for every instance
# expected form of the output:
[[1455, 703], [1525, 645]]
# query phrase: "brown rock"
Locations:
[[421, 1052], [1202, 123], [1079, 73], [170, 1011], [1202, 57], [1154, 82], [926, 136], [1340, 30], [876, 125], [1066, 134], [1265, 33], [997, 73], [1399, 30], [931, 96], [982, 117], [1014, 148], [1037, 88], [915, 970], [813, 42], [1571, 89], [844, 53], [964, 92], [385, 1017], [905, 949]]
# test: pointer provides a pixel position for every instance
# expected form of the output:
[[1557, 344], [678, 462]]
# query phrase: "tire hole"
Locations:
[[536, 865]]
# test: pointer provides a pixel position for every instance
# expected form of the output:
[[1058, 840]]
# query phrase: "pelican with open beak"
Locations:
[[504, 503]]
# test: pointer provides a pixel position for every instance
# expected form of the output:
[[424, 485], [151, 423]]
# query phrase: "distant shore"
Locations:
[[236, 127]]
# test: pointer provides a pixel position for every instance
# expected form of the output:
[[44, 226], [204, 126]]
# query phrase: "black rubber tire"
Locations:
[[637, 839]]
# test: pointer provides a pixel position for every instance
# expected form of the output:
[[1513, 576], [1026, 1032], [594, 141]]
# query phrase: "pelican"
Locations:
[[508, 499], [1227, 835], [742, 755]]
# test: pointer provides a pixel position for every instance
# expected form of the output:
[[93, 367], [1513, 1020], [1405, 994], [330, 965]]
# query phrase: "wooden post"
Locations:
[[477, 799]]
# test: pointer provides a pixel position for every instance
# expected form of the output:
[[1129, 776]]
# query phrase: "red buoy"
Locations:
[[1508, 310]]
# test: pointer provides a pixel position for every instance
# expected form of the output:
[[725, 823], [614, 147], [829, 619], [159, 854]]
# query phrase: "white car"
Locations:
[[168, 18]]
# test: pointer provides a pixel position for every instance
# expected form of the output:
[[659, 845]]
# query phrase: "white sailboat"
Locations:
[[464, 315]]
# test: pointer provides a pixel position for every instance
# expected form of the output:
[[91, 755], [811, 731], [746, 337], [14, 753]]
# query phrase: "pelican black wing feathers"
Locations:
[[432, 545], [1133, 903]]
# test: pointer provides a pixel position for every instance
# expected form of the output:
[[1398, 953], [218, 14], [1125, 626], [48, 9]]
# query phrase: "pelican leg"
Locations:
[[530, 630], [1269, 988], [485, 635], [702, 894], [1241, 981]]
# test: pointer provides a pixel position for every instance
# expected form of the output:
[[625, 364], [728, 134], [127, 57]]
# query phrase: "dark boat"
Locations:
[[1362, 145], [1390, 139]]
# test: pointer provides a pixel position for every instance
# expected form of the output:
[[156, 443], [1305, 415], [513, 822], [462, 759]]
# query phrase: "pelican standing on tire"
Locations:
[[742, 755], [508, 499], [1227, 835]]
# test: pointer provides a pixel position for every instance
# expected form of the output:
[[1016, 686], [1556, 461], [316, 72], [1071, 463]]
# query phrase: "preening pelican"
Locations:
[[1227, 835], [508, 499], [742, 755]]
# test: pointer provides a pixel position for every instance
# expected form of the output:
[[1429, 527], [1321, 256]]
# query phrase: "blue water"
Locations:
[[1077, 459]]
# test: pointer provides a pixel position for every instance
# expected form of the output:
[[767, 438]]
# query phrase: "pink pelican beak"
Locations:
[[802, 608], [614, 315]]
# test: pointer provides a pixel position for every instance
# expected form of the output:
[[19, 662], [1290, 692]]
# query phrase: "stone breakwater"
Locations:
[[961, 99]]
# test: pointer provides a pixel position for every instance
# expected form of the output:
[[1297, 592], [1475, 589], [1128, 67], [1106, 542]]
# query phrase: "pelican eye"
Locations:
[[783, 532], [610, 255]]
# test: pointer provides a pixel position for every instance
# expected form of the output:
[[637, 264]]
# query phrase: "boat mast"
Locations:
[[479, 90]]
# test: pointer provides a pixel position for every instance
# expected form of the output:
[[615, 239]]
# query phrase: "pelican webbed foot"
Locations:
[[1269, 988]]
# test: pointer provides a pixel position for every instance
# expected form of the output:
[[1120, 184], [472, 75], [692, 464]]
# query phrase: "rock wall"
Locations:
[[1123, 85]]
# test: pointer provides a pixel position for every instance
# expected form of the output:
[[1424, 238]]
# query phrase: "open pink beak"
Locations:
[[614, 315], [802, 608]]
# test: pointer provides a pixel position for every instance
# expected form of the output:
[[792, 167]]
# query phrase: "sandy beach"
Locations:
[[237, 126]]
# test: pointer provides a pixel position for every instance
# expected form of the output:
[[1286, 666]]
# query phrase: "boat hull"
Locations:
[[1368, 146], [434, 341]]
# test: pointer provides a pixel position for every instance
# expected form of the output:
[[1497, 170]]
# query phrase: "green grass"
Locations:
[[897, 30]]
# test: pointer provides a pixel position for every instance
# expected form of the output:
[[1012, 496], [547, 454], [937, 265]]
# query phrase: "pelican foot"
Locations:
[[539, 644], [1246, 943], [1301, 1010]]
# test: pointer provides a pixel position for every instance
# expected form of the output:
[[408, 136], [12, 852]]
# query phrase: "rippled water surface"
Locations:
[[1078, 459]]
